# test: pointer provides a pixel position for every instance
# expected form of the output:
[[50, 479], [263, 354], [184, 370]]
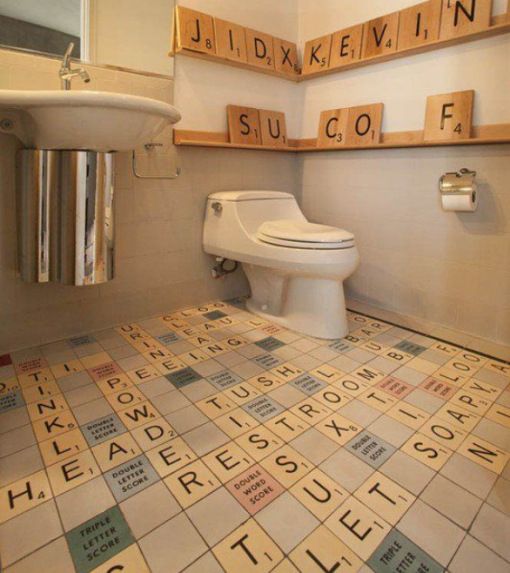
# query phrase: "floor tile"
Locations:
[[408, 472], [205, 564], [469, 475], [390, 430], [249, 549], [149, 508], [358, 527], [499, 496], [172, 546], [286, 395], [360, 413], [384, 496], [398, 553], [23, 534], [186, 419], [84, 502], [287, 521], [492, 528], [314, 445], [20, 464], [347, 470], [255, 488], [323, 551], [370, 448], [473, 557], [435, 534], [204, 515], [16, 440], [98, 539], [451, 501], [52, 557], [205, 439], [233, 444]]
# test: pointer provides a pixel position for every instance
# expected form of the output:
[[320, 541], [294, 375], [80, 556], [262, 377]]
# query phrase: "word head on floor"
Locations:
[[211, 440]]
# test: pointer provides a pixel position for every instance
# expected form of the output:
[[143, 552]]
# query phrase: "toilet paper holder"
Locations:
[[459, 183]]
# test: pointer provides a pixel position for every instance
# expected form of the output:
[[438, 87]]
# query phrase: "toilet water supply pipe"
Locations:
[[219, 271]]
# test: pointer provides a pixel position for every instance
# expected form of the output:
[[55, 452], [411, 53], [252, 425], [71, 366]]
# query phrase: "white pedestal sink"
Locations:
[[65, 176], [95, 121]]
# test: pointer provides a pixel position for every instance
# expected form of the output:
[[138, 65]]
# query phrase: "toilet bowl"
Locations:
[[295, 268]]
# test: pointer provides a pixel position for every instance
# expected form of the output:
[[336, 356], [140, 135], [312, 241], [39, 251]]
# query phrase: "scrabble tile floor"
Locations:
[[210, 440]]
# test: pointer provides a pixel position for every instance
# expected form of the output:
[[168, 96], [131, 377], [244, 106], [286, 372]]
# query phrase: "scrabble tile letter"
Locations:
[[316, 56], [332, 128], [449, 116], [464, 17], [286, 57], [243, 125], [380, 36], [273, 129], [230, 41], [260, 49], [419, 24], [346, 46], [195, 31], [364, 124]]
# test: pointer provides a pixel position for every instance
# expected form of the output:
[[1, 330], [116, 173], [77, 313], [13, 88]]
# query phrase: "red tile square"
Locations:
[[395, 387], [254, 489], [106, 370], [5, 360], [437, 388]]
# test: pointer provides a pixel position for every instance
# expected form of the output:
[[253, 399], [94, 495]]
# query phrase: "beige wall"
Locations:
[[160, 262], [131, 34], [452, 269]]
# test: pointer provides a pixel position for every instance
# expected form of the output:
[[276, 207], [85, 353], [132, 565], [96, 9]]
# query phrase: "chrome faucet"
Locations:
[[67, 73]]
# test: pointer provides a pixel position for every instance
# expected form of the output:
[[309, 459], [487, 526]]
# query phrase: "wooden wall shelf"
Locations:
[[500, 25], [482, 135], [242, 65]]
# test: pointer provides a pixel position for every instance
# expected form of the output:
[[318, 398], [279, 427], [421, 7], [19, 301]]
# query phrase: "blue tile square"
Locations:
[[370, 448], [131, 477], [183, 377], [214, 315], [269, 344], [308, 384], [398, 554], [224, 379], [410, 347], [267, 361], [103, 429], [11, 401]]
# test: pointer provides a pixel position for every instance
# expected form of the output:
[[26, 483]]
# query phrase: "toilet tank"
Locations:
[[232, 216]]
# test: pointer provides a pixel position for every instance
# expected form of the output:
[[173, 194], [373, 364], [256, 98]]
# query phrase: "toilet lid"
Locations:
[[304, 235]]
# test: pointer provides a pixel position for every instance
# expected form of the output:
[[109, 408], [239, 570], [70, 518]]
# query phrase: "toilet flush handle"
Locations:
[[217, 207]]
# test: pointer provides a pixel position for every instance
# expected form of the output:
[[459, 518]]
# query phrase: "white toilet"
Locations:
[[295, 268]]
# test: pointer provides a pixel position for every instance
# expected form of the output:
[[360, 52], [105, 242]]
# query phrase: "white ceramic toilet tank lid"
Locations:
[[249, 195], [303, 231]]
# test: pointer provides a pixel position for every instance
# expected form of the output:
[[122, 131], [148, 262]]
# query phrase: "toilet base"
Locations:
[[311, 305]]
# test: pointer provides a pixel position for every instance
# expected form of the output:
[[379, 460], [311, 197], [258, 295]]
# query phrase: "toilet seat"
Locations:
[[304, 235]]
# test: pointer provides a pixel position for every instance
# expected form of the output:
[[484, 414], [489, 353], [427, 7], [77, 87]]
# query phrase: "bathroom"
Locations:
[[290, 350]]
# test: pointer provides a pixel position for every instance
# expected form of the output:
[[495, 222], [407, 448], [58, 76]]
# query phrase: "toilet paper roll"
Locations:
[[460, 202]]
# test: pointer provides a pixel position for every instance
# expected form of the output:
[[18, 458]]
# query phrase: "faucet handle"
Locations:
[[68, 52]]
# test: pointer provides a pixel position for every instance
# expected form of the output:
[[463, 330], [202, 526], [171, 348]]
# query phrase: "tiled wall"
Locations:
[[452, 269], [160, 264]]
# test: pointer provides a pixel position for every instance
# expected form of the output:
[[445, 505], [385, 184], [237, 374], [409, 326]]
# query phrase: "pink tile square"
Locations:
[[105, 371], [395, 387], [437, 388], [30, 365], [254, 489]]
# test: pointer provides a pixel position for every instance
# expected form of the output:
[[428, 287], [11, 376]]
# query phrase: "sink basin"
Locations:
[[95, 121]]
